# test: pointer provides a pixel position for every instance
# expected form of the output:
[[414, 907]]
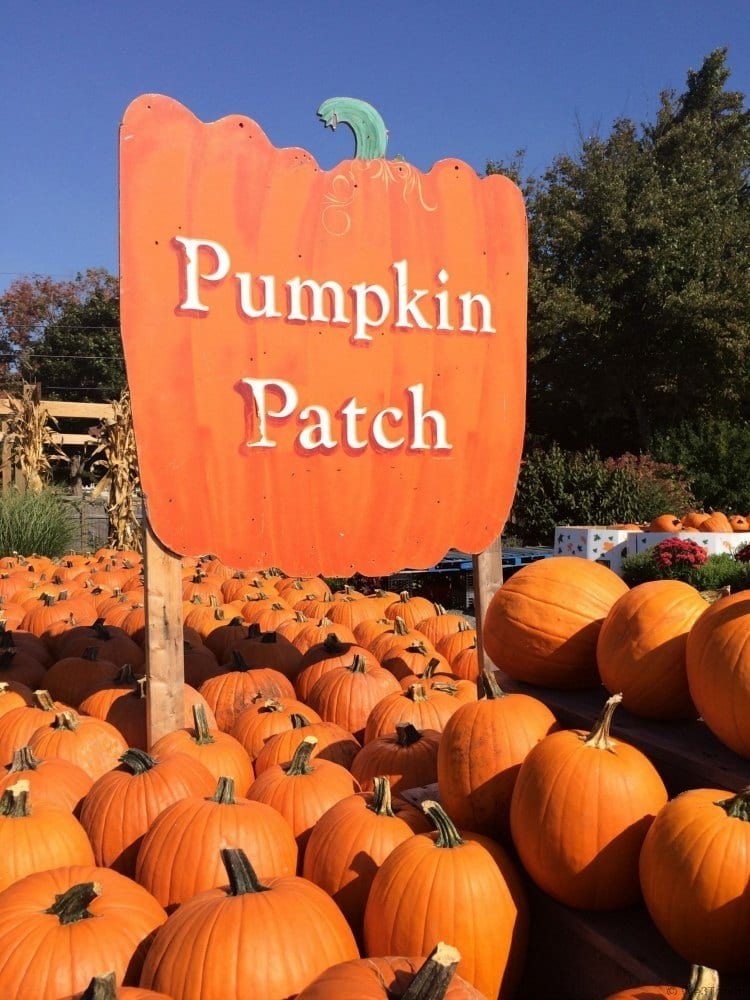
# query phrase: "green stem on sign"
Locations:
[[370, 133]]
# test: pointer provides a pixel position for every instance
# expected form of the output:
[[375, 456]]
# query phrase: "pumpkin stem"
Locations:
[[599, 736], [407, 734], [137, 761], [90, 653], [432, 980], [268, 637], [71, 906], [358, 664], [270, 705], [448, 835], [44, 701], [738, 806], [431, 668], [380, 803], [399, 626], [417, 692], [239, 663], [125, 676], [141, 688], [703, 985], [101, 988], [14, 802], [224, 793], [23, 760], [200, 722], [66, 720], [298, 720], [488, 686], [242, 877], [333, 645], [301, 760]]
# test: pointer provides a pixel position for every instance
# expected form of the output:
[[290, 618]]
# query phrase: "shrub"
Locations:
[[34, 523], [561, 487], [714, 573]]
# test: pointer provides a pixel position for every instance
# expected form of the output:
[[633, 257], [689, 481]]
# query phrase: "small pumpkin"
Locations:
[[665, 523], [703, 985]]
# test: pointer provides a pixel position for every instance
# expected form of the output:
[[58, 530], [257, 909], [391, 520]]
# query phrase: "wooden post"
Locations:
[[164, 652], [488, 577]]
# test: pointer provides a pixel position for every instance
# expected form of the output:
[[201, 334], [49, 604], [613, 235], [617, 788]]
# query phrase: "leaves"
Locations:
[[120, 459], [31, 434]]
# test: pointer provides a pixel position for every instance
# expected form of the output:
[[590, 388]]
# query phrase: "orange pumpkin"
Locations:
[[703, 985], [542, 625], [580, 838], [665, 522], [641, 648]]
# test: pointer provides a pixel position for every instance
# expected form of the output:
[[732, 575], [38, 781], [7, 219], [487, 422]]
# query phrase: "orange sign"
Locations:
[[327, 368]]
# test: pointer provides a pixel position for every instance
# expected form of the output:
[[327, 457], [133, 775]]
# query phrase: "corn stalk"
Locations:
[[31, 433], [118, 456]]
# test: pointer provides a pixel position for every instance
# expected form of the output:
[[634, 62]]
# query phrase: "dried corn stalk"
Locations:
[[32, 436], [119, 458]]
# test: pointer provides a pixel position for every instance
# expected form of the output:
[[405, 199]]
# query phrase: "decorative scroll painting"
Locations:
[[327, 367]]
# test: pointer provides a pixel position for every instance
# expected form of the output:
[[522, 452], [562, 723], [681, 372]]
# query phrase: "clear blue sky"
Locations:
[[474, 80]]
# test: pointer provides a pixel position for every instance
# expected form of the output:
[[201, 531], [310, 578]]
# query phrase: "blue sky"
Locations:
[[473, 80]]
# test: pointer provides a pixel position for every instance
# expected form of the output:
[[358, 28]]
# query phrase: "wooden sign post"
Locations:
[[327, 368]]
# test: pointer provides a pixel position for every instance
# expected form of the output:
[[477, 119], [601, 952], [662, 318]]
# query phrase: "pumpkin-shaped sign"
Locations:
[[327, 367]]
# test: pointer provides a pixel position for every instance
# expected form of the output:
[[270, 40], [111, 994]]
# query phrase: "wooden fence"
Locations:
[[83, 414]]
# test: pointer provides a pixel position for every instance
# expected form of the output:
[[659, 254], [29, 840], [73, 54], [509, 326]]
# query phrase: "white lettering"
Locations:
[[352, 413], [193, 276], [419, 416], [268, 309], [407, 304], [362, 317], [467, 300], [319, 315], [378, 431], [259, 388], [320, 434]]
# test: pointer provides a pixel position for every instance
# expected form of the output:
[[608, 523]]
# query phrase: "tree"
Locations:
[[639, 303], [64, 335]]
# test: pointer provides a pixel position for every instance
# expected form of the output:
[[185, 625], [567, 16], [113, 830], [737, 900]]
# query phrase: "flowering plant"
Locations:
[[742, 554], [676, 557]]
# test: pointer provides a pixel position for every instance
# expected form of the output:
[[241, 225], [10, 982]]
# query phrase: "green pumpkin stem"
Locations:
[[738, 806], [488, 686], [71, 906], [301, 760], [703, 985], [599, 736], [23, 760], [432, 979], [14, 802], [203, 735], [381, 803], [137, 761], [224, 793], [432, 667], [241, 874], [407, 734], [448, 835]]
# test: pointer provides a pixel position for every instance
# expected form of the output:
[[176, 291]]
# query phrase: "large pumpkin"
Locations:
[[423, 313], [695, 874], [456, 886], [542, 625], [641, 648], [581, 807], [718, 669], [229, 942]]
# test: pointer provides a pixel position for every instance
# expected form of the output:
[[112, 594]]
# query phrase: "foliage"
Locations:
[[639, 304], [120, 459], [718, 571], [30, 434], [64, 335], [35, 523], [715, 454], [556, 487]]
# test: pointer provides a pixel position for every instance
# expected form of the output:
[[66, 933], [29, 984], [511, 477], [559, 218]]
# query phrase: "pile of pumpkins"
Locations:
[[264, 848], [692, 521]]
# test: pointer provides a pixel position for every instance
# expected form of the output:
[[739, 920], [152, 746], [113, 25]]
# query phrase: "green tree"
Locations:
[[64, 335], [79, 354], [639, 300]]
